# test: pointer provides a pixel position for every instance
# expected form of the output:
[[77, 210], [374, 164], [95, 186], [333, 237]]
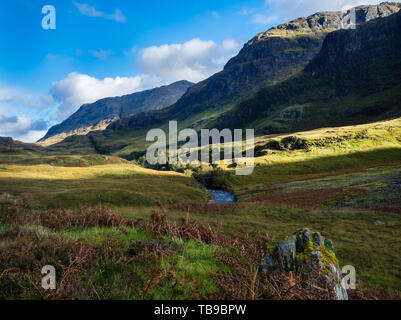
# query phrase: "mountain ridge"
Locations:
[[355, 78], [263, 61], [98, 115]]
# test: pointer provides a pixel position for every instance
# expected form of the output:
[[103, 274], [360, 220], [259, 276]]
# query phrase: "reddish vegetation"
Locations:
[[392, 210], [376, 294], [188, 229], [52, 161], [62, 219], [20, 261], [112, 159], [203, 207], [243, 254]]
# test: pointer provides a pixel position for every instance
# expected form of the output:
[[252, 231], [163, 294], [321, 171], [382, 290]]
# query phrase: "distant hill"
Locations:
[[98, 115]]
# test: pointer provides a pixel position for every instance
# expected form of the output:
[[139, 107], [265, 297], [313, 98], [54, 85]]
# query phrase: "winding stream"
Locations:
[[220, 196]]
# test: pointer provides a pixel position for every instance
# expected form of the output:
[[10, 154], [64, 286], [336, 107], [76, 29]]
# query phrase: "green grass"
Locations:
[[191, 263], [329, 151], [123, 268], [195, 266], [374, 250], [111, 185]]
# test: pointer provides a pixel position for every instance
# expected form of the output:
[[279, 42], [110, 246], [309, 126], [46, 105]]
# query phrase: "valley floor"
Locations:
[[342, 182]]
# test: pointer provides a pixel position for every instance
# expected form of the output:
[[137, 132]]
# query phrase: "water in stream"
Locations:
[[220, 196]]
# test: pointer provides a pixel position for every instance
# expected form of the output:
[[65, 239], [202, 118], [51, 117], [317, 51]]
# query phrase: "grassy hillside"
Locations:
[[110, 185], [333, 180], [333, 150]]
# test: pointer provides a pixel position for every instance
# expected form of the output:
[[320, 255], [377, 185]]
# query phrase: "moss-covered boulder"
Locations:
[[310, 254]]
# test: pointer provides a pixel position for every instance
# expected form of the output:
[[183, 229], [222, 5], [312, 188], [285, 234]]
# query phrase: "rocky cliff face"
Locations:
[[98, 115], [295, 43], [354, 79], [328, 21], [346, 48], [271, 57]]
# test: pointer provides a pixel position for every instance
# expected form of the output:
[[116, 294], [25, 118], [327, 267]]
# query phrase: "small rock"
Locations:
[[379, 223], [303, 237], [318, 240], [287, 249], [315, 261]]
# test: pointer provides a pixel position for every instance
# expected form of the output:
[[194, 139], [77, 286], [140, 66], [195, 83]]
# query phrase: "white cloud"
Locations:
[[15, 104], [47, 100], [194, 60], [78, 89], [22, 128], [260, 18], [245, 12], [116, 16], [90, 11], [15, 97], [264, 19], [31, 136], [101, 54], [299, 8]]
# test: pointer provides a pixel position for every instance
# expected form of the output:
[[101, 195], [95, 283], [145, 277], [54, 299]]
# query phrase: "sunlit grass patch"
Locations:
[[112, 185]]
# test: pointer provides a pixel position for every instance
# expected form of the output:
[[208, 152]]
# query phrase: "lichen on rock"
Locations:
[[307, 253]]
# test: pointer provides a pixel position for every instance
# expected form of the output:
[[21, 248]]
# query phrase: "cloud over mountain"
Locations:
[[77, 89], [194, 60]]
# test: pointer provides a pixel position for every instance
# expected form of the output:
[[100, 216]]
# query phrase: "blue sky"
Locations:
[[108, 48]]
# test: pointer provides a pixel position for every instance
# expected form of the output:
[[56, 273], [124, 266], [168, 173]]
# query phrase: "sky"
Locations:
[[111, 48]]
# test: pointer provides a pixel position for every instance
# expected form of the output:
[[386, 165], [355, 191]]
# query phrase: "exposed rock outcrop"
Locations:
[[328, 21], [309, 254]]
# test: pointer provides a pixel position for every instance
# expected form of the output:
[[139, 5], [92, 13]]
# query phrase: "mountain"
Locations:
[[98, 115], [268, 59], [356, 78], [274, 84]]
